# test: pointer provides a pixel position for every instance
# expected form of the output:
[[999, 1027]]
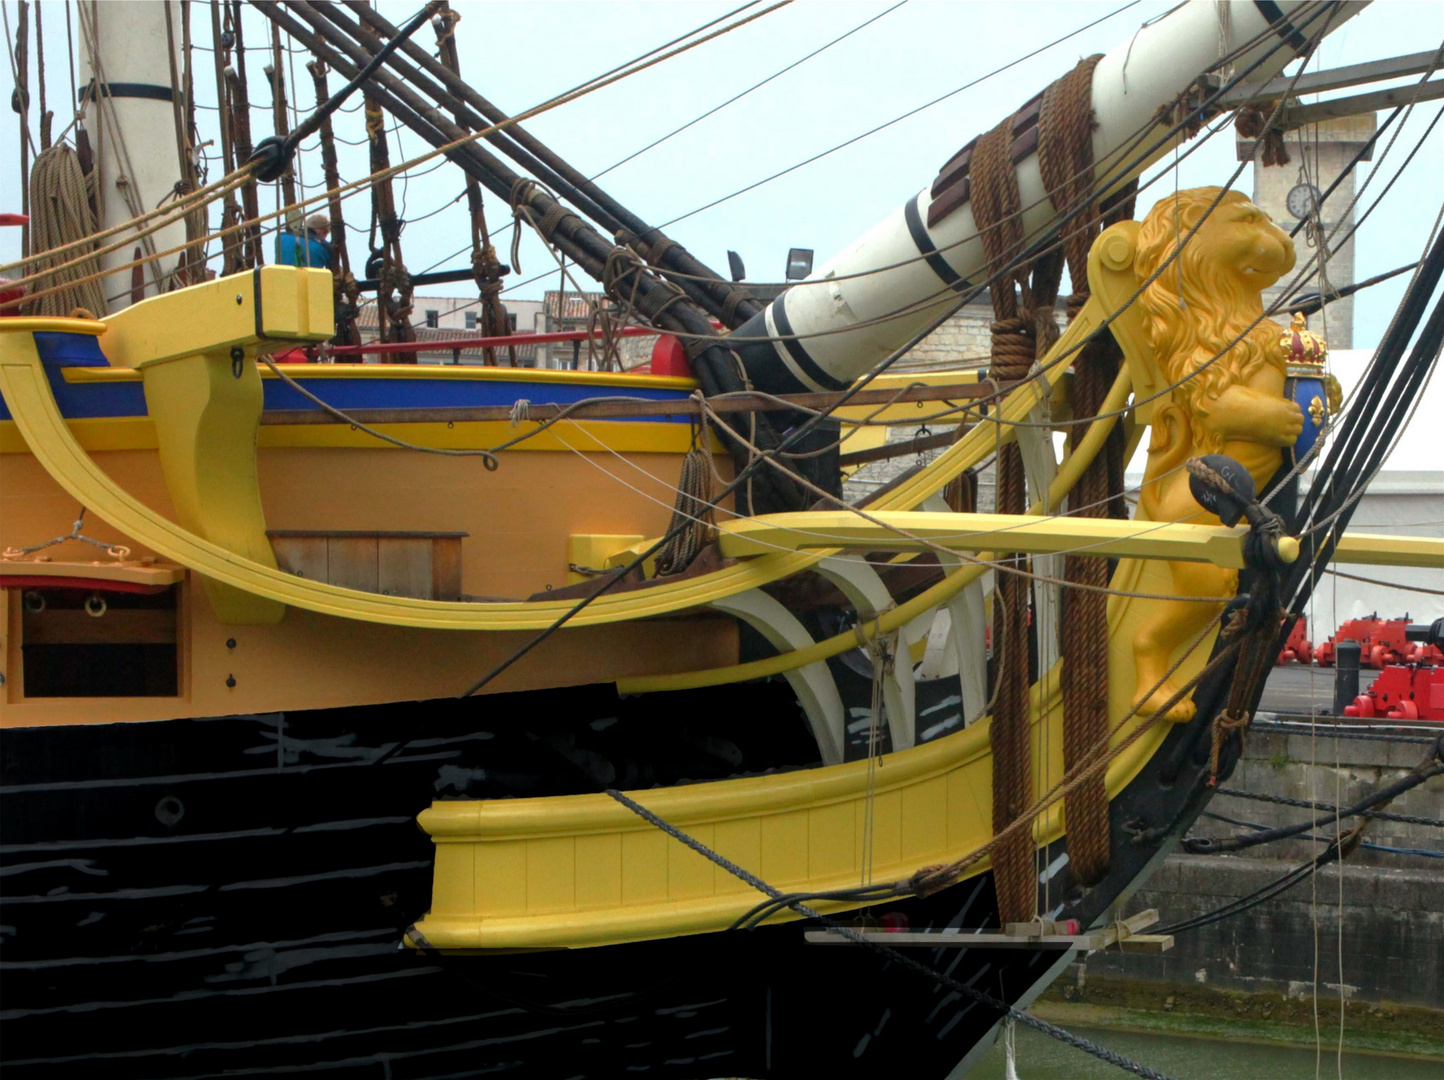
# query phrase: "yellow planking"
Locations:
[[623, 436]]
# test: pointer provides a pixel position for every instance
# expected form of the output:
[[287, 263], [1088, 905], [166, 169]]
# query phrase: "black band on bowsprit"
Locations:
[[152, 91], [1285, 29], [798, 352], [928, 250]]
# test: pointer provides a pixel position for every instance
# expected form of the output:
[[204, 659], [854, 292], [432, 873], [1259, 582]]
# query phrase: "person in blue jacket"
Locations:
[[314, 250]]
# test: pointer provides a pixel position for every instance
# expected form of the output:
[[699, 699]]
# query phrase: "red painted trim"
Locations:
[[488, 342]]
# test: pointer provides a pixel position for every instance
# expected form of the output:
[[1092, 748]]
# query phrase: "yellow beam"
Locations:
[[282, 304], [1371, 549], [988, 532]]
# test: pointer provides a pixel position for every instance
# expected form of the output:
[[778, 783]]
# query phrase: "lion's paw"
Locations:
[[1180, 713]]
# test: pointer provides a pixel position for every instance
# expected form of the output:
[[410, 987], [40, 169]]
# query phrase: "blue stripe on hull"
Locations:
[[80, 401]]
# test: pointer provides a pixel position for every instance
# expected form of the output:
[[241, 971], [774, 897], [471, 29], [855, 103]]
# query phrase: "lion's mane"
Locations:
[[1192, 311]]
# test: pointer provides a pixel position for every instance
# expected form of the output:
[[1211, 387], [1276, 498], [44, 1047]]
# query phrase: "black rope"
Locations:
[[1305, 804], [887, 952], [1326, 839], [1203, 845], [272, 156]]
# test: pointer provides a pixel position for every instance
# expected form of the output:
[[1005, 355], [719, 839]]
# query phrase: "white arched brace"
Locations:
[[813, 684], [967, 631], [863, 588]]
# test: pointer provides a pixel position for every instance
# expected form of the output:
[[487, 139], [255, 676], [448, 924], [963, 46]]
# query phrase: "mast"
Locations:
[[125, 76], [931, 242]]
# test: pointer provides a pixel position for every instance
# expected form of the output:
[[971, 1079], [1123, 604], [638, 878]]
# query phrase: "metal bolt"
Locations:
[[230, 643], [231, 681], [238, 362], [240, 299]]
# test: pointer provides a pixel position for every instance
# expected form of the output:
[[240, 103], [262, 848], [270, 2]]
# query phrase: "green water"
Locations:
[[1184, 1058]]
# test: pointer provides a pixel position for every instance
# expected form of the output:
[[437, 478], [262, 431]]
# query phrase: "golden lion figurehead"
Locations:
[[1209, 295]]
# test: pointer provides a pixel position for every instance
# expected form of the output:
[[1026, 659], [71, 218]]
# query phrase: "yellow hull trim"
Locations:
[[624, 436], [46, 433], [581, 871]]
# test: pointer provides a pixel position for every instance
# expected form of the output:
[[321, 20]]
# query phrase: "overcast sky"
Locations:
[[520, 54]]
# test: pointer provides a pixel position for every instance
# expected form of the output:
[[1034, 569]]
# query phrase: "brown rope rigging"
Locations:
[[691, 527], [232, 244], [347, 296], [276, 76], [20, 103], [1065, 159], [190, 266], [240, 118], [486, 268], [393, 290], [1022, 331], [61, 212], [46, 116]]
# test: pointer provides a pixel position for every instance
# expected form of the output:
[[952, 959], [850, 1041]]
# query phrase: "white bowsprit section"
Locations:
[[843, 324]]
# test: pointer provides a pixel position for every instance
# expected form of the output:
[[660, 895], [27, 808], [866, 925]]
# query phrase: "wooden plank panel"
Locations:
[[403, 567], [446, 568], [352, 562], [118, 626], [304, 556]]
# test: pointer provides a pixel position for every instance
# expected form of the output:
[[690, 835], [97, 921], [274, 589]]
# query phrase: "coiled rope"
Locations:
[[61, 214]]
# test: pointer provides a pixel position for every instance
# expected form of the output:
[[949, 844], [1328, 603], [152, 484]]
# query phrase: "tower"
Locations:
[[1318, 153]]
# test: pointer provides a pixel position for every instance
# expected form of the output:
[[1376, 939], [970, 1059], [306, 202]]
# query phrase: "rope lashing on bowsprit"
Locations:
[[61, 213], [888, 953], [691, 527], [1023, 330], [1065, 159]]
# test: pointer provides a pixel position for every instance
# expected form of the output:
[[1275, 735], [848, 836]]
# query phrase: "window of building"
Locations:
[[433, 318], [471, 320], [511, 321]]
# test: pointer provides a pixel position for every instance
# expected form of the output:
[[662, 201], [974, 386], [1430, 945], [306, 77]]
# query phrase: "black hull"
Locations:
[[204, 897]]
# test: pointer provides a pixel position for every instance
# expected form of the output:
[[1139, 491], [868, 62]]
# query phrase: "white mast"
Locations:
[[132, 131], [1130, 84]]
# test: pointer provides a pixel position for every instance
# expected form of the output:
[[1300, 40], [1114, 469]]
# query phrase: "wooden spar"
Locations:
[[618, 410]]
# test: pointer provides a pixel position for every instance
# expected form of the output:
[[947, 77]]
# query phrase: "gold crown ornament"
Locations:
[[1303, 351]]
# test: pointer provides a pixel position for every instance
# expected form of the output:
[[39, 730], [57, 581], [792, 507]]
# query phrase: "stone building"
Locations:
[[1318, 153]]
